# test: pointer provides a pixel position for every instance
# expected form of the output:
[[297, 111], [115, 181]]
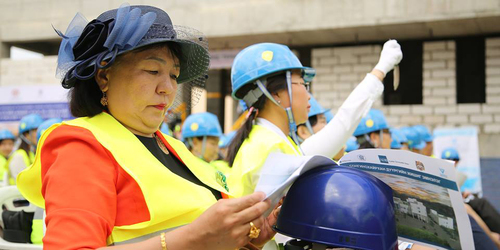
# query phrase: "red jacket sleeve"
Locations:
[[79, 186]]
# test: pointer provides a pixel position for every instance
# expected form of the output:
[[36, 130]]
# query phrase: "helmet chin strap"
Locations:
[[23, 138], [309, 127], [203, 147], [292, 125], [381, 138]]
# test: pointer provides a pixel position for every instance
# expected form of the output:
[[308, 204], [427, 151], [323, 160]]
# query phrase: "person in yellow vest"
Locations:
[[316, 121], [274, 85], [426, 137], [201, 133], [110, 178], [373, 131], [37, 224], [221, 164], [6, 146], [24, 156]]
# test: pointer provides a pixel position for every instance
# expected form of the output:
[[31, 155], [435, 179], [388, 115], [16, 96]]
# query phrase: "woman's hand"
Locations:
[[267, 232], [226, 224]]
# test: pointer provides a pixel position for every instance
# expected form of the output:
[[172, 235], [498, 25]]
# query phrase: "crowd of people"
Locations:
[[115, 177]]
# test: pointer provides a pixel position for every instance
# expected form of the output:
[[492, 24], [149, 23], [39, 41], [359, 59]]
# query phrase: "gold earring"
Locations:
[[104, 99]]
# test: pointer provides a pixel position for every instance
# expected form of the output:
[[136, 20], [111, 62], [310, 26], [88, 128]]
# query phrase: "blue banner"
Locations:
[[14, 112]]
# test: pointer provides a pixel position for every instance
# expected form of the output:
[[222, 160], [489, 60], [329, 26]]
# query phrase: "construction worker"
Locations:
[[110, 177], [221, 164], [201, 133], [399, 140], [224, 142], [37, 224], [351, 144], [273, 83], [24, 155], [373, 131], [479, 208], [6, 146], [316, 121], [415, 143], [427, 138]]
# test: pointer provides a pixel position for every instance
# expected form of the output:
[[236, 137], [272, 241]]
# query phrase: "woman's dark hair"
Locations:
[[313, 120], [274, 84], [85, 96], [24, 145], [363, 142]]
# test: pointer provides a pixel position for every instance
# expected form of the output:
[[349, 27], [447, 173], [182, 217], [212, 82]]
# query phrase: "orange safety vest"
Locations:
[[172, 201]]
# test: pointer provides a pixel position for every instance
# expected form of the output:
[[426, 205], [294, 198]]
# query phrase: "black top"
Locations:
[[174, 164]]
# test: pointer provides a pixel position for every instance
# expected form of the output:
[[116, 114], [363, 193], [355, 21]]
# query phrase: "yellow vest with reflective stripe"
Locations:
[[222, 166], [251, 156], [172, 201], [28, 160], [3, 167]]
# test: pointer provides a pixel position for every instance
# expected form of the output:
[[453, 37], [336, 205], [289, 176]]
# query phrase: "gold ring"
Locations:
[[254, 231]]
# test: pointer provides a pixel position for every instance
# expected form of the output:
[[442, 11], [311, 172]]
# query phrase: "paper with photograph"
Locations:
[[428, 205]]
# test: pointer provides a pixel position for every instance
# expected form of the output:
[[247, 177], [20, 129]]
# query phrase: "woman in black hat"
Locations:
[[110, 177]]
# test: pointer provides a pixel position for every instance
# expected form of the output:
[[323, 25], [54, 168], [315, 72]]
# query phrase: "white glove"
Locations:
[[390, 56]]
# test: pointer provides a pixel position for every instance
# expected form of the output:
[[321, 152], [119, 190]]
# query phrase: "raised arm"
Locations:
[[332, 138]]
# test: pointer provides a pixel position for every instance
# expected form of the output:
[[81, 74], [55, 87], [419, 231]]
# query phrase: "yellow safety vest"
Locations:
[[3, 166], [172, 201], [222, 166], [251, 157], [28, 160]]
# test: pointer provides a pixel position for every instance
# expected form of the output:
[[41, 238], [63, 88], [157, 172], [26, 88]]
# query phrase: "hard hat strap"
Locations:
[[23, 138], [292, 126], [203, 147], [381, 139], [367, 138], [309, 127]]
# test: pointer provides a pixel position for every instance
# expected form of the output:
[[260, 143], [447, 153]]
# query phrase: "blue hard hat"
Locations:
[[351, 144], [450, 154], [201, 124], [329, 116], [5, 134], [347, 204], [373, 121], [260, 60], [29, 122], [45, 125], [226, 139], [414, 140], [164, 129], [424, 133], [316, 108], [397, 138]]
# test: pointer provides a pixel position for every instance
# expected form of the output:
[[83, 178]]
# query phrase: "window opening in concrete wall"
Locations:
[[23, 54], [410, 82], [470, 70]]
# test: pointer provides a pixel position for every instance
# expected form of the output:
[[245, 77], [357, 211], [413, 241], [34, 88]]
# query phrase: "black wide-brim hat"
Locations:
[[121, 30]]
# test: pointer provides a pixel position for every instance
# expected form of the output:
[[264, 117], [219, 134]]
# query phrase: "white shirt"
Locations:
[[269, 125], [335, 134]]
